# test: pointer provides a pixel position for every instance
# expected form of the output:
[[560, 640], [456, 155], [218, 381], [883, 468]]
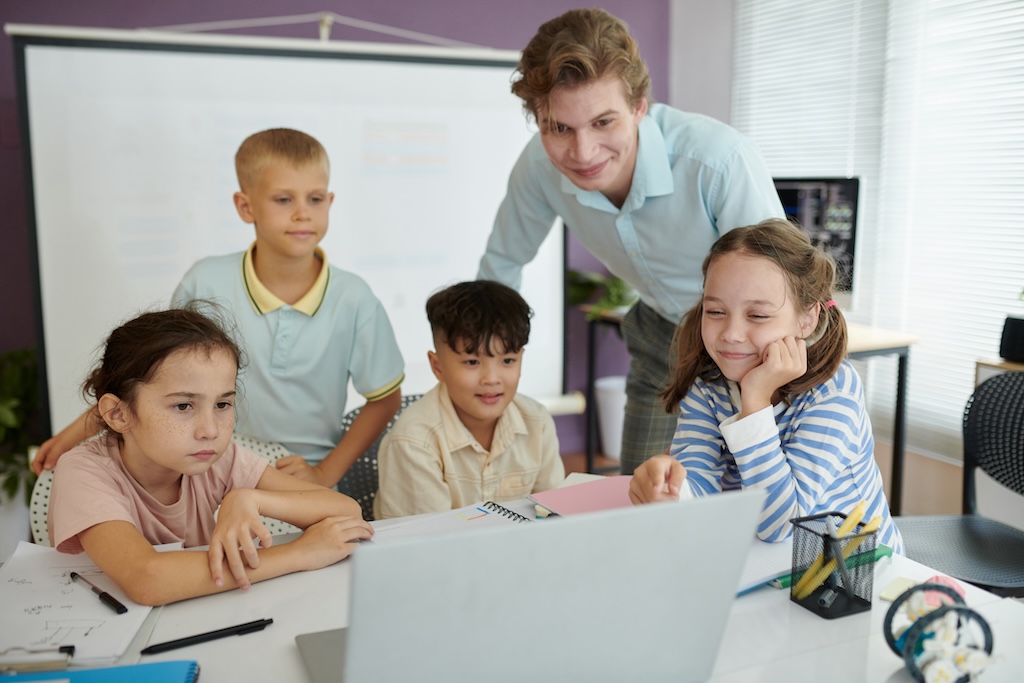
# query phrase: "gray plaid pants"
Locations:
[[648, 428]]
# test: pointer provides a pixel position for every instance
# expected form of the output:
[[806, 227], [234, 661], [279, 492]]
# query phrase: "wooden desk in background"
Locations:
[[865, 342], [990, 367]]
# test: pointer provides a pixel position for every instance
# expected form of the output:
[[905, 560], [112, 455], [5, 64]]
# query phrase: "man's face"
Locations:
[[590, 135]]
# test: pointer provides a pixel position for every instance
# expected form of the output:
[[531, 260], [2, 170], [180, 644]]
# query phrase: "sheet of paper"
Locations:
[[574, 478], [44, 609], [766, 561]]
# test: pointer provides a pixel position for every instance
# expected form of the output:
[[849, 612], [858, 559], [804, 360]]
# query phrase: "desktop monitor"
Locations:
[[826, 208]]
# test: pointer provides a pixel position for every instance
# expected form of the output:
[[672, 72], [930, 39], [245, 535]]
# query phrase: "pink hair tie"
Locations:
[[830, 303]]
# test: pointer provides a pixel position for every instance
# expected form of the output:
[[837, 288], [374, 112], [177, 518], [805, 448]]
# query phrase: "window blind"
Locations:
[[932, 96]]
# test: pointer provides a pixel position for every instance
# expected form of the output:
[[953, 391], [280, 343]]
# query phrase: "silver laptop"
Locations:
[[632, 594]]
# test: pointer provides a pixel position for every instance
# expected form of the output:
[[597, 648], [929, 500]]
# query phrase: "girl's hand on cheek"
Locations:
[[783, 361]]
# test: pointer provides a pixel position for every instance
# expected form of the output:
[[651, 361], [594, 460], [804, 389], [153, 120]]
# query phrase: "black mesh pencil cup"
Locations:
[[832, 573]]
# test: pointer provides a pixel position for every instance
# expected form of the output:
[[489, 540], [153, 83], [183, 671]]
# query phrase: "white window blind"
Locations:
[[932, 96]]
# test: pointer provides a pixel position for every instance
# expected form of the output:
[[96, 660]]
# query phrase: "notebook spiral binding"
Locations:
[[505, 512]]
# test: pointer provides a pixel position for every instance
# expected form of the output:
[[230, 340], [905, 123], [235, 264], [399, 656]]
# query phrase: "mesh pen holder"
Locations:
[[832, 577]]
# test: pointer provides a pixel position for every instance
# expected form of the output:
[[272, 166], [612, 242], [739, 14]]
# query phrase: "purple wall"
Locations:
[[503, 25]]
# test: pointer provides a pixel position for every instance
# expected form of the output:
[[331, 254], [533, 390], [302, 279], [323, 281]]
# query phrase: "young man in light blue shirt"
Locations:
[[646, 188]]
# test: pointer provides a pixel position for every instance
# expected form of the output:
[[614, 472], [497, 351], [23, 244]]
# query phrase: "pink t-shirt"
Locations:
[[91, 485]]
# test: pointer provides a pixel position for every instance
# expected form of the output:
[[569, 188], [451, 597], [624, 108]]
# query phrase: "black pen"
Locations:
[[105, 597], [239, 630]]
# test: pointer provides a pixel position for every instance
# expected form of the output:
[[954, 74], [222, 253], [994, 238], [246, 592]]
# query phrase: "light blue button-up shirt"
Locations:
[[695, 178]]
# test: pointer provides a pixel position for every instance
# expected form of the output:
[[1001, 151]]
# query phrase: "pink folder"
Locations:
[[605, 493]]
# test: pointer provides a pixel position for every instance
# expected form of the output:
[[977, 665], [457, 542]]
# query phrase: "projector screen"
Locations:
[[131, 146]]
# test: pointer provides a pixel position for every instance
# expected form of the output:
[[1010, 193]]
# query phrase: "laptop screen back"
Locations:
[[639, 592]]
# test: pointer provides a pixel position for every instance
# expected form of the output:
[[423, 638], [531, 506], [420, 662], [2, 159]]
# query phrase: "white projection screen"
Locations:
[[131, 139]]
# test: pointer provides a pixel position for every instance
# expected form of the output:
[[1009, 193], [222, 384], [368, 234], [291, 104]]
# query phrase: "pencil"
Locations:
[[823, 573], [851, 521], [860, 559]]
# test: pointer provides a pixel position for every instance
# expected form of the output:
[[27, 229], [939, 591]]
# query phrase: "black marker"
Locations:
[[239, 630], [105, 597]]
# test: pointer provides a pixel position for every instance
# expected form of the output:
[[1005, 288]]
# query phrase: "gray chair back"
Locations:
[[360, 482], [994, 435]]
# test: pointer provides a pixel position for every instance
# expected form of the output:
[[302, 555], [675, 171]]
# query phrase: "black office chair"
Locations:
[[360, 482], [971, 547]]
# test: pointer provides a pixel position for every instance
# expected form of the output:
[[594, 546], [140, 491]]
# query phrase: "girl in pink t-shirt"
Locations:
[[165, 392]]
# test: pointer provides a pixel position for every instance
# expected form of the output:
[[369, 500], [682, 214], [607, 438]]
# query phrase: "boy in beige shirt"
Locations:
[[470, 438]]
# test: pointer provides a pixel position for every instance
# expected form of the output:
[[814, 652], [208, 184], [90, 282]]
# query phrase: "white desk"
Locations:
[[768, 638]]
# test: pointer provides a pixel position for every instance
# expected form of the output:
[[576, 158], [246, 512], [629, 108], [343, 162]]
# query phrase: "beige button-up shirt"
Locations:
[[429, 462]]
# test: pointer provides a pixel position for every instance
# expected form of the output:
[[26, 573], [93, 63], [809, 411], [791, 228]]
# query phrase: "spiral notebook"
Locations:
[[471, 517], [535, 601]]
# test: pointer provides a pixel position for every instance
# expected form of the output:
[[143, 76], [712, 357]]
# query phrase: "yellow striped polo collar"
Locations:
[[264, 301]]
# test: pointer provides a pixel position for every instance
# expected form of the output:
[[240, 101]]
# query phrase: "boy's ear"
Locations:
[[114, 412], [435, 365], [243, 207]]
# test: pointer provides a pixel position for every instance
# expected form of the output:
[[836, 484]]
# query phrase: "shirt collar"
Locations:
[[457, 435], [652, 175], [264, 301]]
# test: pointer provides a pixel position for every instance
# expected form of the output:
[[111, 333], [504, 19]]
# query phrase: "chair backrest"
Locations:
[[360, 482], [272, 452], [39, 507], [994, 435]]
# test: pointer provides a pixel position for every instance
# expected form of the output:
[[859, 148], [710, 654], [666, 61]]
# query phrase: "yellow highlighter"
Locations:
[[823, 573], [848, 525]]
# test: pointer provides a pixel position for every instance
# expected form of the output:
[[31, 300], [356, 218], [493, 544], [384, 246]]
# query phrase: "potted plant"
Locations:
[[604, 293], [19, 401]]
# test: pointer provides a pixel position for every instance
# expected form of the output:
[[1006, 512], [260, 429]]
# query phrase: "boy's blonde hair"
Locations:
[[810, 275], [274, 146], [579, 47]]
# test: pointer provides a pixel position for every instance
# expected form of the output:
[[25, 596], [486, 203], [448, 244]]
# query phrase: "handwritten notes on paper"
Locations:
[[43, 609]]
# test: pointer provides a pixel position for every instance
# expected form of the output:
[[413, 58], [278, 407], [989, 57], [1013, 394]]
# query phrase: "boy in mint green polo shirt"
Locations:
[[307, 327]]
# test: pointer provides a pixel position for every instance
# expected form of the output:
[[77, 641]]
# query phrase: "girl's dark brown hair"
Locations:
[[811, 277], [134, 351]]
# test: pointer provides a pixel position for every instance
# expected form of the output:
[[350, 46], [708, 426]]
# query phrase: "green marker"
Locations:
[[858, 560]]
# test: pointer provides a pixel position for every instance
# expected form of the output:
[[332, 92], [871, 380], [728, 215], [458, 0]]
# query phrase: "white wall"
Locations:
[[700, 57]]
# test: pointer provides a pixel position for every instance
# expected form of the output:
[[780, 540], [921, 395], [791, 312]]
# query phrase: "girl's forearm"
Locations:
[[307, 507], [167, 577]]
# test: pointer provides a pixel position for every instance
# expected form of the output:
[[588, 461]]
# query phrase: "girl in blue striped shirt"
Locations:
[[766, 396]]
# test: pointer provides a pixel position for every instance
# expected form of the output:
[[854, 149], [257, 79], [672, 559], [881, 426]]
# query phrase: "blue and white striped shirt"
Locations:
[[814, 456]]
